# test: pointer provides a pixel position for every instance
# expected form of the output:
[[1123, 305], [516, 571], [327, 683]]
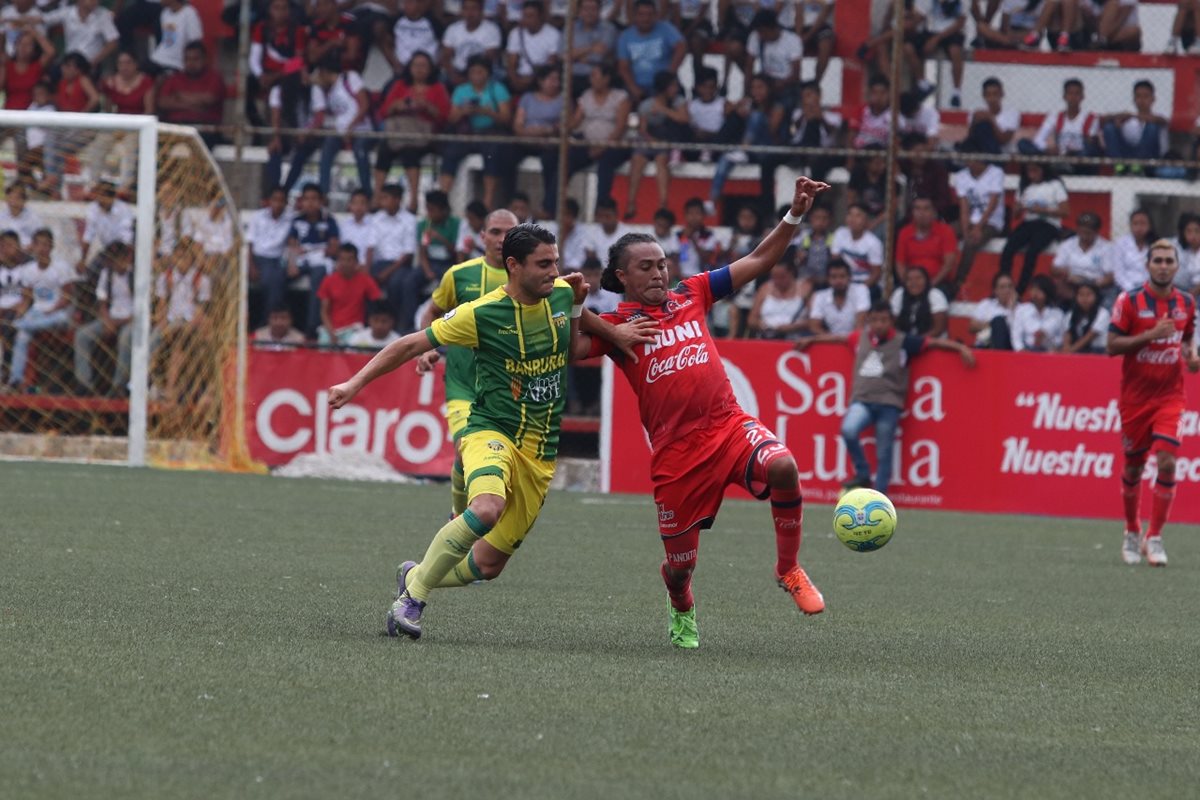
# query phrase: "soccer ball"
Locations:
[[864, 520]]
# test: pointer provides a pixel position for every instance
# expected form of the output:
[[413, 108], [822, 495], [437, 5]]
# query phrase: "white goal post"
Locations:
[[146, 218]]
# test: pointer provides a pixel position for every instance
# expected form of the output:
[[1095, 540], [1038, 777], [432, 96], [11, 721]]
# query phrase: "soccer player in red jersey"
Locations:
[[1153, 327], [701, 439]]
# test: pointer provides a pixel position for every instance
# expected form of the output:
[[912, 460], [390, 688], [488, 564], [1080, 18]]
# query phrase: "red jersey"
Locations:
[[348, 297], [1153, 374], [679, 380]]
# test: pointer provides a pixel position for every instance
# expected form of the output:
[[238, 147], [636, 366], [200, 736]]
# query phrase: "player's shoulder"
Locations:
[[468, 266]]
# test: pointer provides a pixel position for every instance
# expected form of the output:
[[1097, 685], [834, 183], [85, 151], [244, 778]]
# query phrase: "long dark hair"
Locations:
[[1081, 320], [916, 313]]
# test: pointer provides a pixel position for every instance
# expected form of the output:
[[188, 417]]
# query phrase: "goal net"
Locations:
[[120, 294]]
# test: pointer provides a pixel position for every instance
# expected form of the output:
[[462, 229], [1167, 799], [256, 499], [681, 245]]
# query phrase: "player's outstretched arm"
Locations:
[[1120, 345], [624, 337], [398, 352], [771, 249]]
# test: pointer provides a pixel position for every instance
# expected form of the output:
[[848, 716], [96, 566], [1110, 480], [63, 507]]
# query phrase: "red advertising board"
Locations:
[[1019, 433], [398, 417]]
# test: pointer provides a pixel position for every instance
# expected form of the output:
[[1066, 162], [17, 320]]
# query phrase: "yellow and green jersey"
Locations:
[[464, 283], [520, 361]]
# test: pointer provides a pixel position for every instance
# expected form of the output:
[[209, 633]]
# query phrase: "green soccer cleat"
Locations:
[[684, 634]]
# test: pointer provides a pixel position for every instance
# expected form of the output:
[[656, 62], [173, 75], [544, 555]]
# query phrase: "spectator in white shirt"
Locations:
[[1131, 251], [1070, 132], [212, 230], [358, 229], [776, 52], [572, 238], [1086, 323], [1140, 134], [993, 127], [873, 125], [1188, 245], [606, 229], [114, 296], [414, 32], [183, 292], [980, 190], [1039, 324], [266, 236], [88, 29], [278, 333], [179, 26], [45, 304], [471, 35], [395, 251], [16, 216], [859, 248], [470, 233], [531, 45], [381, 325], [107, 220], [1042, 201], [919, 308], [1084, 258], [995, 318], [339, 103], [842, 306]]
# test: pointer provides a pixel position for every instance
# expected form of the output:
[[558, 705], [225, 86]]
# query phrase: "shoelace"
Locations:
[[796, 581]]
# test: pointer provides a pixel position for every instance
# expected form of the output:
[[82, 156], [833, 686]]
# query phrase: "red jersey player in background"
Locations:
[[702, 441], [1153, 328]]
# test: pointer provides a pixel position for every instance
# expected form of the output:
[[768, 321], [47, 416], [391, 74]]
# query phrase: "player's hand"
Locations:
[[628, 335], [806, 192], [1164, 328], [1193, 363], [427, 360], [342, 393], [578, 284]]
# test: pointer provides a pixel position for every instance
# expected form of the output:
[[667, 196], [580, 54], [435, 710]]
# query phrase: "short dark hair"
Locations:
[[608, 204], [10, 234], [522, 240], [196, 46], [879, 80], [706, 74], [860, 207], [617, 258], [360, 193], [349, 248], [992, 81], [282, 308], [519, 196], [571, 206], [536, 4], [311, 187], [665, 214], [380, 308], [693, 202], [837, 263], [46, 233], [1143, 84], [591, 262], [477, 208], [881, 305], [15, 187], [765, 18], [810, 86], [480, 61], [638, 3], [1069, 82], [273, 190], [1046, 284], [438, 198], [393, 190], [663, 80]]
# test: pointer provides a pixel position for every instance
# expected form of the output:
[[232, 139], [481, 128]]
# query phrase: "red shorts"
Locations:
[[690, 474], [1143, 426]]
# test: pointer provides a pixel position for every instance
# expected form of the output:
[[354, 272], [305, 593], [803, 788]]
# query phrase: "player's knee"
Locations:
[[1133, 468], [678, 575], [1166, 465], [487, 561], [488, 508], [782, 472]]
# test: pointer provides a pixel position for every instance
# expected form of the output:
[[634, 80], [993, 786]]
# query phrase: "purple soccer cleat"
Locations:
[[402, 577], [405, 617]]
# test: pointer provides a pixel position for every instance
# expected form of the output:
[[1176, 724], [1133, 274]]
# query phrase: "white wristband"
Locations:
[[577, 311], [791, 219]]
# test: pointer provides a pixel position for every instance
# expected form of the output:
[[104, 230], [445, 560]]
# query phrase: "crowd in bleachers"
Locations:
[[492, 69]]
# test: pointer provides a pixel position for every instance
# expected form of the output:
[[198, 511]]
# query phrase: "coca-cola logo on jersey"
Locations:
[[688, 356]]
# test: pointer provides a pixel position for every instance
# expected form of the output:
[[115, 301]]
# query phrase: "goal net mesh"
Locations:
[[66, 299]]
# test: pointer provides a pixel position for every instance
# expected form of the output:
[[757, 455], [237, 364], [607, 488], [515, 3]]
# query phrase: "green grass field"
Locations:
[[195, 635]]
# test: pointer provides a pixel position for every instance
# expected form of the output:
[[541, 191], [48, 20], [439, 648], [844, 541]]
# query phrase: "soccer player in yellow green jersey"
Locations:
[[522, 334], [464, 283]]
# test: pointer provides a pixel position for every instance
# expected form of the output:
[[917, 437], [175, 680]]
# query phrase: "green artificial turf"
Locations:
[[196, 635]]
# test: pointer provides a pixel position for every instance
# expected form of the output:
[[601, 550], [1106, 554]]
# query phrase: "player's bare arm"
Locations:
[[580, 287], [771, 249], [964, 352], [821, 338], [426, 361], [389, 358], [1120, 345]]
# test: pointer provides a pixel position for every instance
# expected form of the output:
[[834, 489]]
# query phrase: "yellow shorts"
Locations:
[[492, 464], [457, 413]]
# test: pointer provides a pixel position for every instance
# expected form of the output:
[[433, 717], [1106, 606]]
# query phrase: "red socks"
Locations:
[[1131, 493], [1164, 495], [786, 512], [680, 592]]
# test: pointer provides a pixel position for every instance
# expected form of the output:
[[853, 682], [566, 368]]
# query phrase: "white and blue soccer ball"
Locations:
[[864, 520]]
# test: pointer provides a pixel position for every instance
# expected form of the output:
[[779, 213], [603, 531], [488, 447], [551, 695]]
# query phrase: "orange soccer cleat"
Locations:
[[808, 598]]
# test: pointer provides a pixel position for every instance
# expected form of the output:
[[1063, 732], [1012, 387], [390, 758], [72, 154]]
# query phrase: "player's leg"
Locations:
[[457, 414], [1166, 443], [676, 570], [1136, 432]]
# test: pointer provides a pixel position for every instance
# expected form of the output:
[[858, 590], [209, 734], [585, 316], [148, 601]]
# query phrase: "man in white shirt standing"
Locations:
[[88, 29], [395, 250], [776, 52], [471, 35], [46, 301], [17, 217], [266, 236], [980, 190], [994, 126], [339, 103], [414, 32], [531, 45], [180, 26], [842, 306]]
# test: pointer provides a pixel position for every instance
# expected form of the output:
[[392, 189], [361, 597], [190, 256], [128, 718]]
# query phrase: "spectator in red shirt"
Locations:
[[417, 102], [332, 33], [76, 92], [19, 74], [344, 296], [126, 91], [927, 243], [195, 96], [277, 47]]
